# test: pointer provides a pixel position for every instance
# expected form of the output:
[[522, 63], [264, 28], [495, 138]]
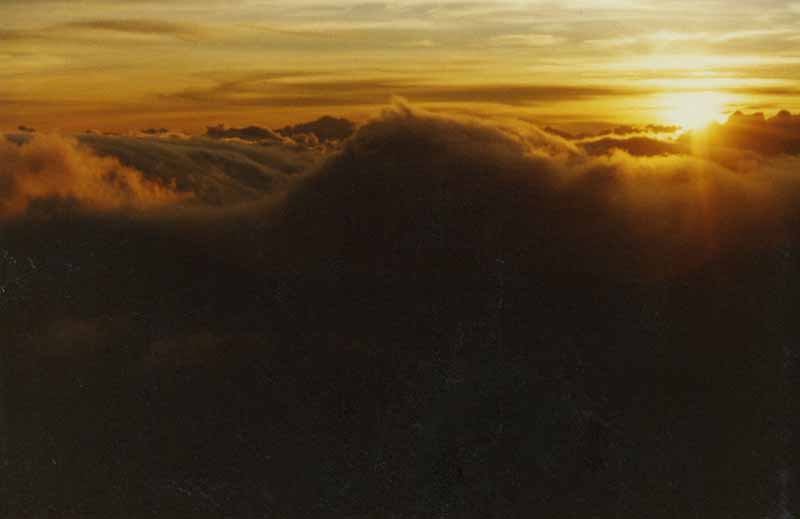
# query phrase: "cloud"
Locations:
[[621, 130], [740, 134], [779, 134], [753, 34], [221, 173], [433, 268], [112, 172], [422, 44], [154, 131], [11, 35], [139, 26], [292, 91], [250, 133], [662, 37], [442, 184], [525, 40], [325, 129], [216, 172], [621, 41], [514, 161], [46, 167], [636, 146]]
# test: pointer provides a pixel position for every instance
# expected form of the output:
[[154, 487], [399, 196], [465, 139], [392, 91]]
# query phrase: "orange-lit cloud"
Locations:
[[47, 167], [496, 190], [139, 26]]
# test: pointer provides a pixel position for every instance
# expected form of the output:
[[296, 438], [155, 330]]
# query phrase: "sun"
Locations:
[[693, 110]]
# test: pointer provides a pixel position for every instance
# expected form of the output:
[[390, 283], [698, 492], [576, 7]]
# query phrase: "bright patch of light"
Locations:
[[693, 110]]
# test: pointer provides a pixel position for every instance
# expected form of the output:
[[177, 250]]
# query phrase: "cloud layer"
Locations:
[[111, 171], [769, 136], [53, 167], [440, 184], [438, 297]]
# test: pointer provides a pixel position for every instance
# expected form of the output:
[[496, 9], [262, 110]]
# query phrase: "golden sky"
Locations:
[[129, 64]]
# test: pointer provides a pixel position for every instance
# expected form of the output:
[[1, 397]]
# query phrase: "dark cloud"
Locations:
[[250, 133], [771, 136], [444, 316], [621, 130], [626, 129], [18, 138], [441, 185], [325, 129], [153, 131], [636, 146], [560, 133], [740, 134], [662, 128]]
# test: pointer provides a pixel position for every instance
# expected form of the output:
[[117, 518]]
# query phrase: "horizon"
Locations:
[[590, 127]]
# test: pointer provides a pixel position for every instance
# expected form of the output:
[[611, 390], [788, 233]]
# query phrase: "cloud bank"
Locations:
[[438, 296], [53, 167], [416, 185], [767, 136], [675, 198], [324, 129]]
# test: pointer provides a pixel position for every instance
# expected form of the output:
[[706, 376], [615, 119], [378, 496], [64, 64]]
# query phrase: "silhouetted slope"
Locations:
[[432, 323]]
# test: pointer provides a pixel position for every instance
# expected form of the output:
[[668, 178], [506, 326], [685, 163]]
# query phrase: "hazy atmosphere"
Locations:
[[399, 259], [123, 65]]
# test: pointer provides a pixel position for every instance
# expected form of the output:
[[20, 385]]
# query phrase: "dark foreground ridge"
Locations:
[[431, 324]]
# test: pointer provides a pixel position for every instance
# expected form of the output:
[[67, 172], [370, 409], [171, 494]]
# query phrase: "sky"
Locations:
[[518, 272], [130, 64]]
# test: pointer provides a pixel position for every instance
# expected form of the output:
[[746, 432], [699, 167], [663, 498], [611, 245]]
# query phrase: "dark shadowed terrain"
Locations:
[[433, 318]]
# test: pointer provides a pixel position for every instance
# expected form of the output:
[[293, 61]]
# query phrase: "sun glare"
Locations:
[[693, 110]]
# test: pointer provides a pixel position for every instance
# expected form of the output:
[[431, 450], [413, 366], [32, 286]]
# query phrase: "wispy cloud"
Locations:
[[332, 91], [140, 26], [425, 44], [14, 35], [619, 41], [525, 40], [667, 36]]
